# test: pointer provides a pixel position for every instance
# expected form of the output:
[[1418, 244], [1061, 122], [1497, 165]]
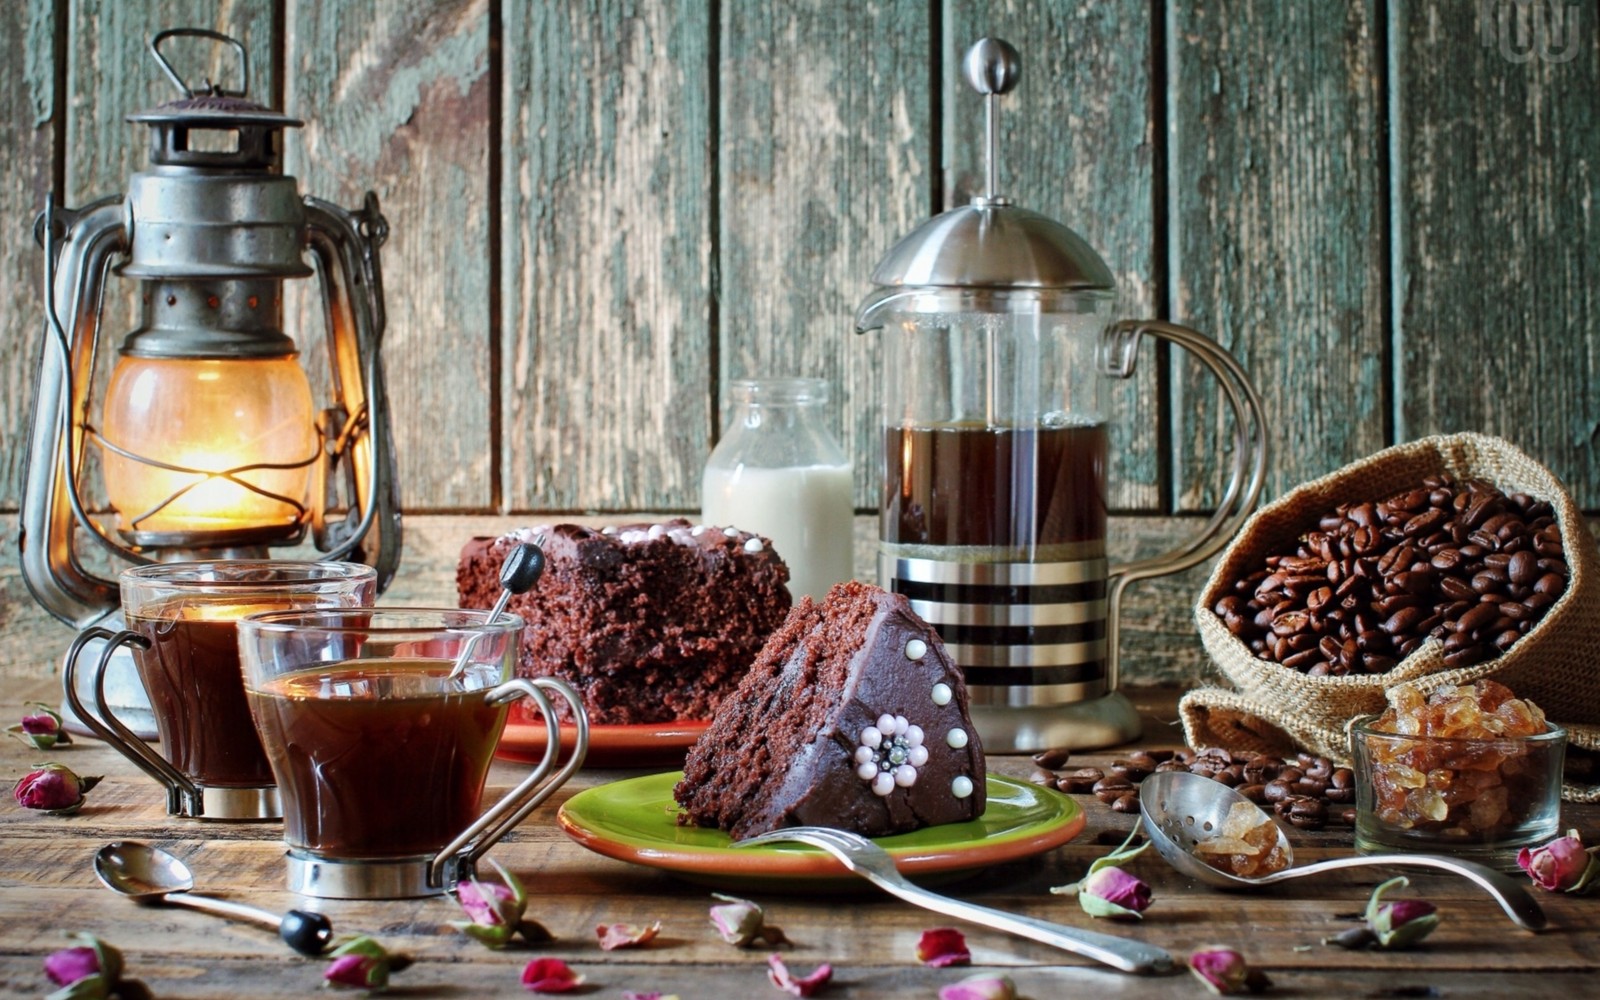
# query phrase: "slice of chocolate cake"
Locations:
[[854, 718], [650, 622]]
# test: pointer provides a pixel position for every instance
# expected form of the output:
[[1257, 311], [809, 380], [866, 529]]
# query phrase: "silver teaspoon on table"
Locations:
[[874, 864], [1181, 809], [147, 874]]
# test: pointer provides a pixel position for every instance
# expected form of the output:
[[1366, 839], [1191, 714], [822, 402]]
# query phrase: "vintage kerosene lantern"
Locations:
[[999, 341], [208, 439]]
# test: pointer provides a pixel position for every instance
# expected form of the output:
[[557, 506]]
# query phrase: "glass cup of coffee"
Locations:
[[380, 726], [180, 619]]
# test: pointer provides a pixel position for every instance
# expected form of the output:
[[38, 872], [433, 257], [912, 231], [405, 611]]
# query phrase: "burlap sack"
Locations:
[[1276, 709]]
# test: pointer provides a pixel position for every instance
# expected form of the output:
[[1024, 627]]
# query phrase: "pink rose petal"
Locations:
[[943, 946], [981, 987], [483, 901], [614, 936], [804, 986], [351, 970], [550, 975]]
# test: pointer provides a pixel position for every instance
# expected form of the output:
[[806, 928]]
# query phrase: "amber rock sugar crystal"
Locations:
[[1466, 775]]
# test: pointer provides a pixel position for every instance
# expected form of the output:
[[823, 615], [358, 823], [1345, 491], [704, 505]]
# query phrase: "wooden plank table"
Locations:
[[47, 889]]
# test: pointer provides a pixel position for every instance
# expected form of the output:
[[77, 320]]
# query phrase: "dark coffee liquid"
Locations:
[[191, 672], [960, 484], [376, 758]]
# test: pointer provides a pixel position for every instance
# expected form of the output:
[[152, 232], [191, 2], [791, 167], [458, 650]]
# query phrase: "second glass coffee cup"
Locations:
[[180, 620], [380, 726]]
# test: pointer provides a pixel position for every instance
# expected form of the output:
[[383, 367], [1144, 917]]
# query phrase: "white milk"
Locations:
[[807, 512]]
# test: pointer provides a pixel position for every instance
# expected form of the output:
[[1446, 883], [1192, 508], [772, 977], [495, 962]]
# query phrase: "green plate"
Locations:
[[637, 820]]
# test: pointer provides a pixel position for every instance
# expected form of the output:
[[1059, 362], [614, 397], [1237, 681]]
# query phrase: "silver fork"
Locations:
[[872, 863]]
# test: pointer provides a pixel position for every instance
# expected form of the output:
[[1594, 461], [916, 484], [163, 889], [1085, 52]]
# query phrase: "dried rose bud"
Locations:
[[41, 727], [984, 987], [91, 970], [496, 909], [1399, 924], [614, 936], [943, 946], [741, 922], [651, 995], [1563, 865], [53, 788], [803, 986], [1224, 971], [362, 963], [550, 975], [1108, 891], [1402, 923]]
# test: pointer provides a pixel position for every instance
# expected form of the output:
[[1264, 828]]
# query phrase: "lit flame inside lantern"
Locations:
[[208, 444]]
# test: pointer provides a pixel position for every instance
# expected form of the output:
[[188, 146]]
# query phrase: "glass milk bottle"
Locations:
[[779, 472]]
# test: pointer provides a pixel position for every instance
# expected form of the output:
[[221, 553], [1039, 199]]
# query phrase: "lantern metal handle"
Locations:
[[1119, 349], [210, 88]]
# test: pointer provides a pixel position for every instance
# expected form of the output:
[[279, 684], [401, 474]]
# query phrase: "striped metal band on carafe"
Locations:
[[1024, 633]]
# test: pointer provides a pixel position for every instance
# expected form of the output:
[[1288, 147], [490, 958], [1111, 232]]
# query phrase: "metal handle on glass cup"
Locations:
[[486, 830], [183, 797], [1119, 352]]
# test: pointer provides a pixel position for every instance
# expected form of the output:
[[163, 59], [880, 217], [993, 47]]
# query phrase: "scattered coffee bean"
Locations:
[[1052, 760], [1081, 781], [1127, 803], [1042, 777]]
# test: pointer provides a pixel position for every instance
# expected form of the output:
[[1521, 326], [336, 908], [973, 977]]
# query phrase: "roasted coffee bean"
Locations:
[[1128, 803], [1304, 812], [1277, 790], [1081, 781], [1052, 759], [1255, 793], [1042, 777], [1109, 789], [1130, 771], [1478, 617]]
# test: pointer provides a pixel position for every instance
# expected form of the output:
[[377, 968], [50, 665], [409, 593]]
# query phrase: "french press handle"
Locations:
[[1119, 352]]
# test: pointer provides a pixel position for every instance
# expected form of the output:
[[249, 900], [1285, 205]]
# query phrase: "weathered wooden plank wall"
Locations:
[[604, 210]]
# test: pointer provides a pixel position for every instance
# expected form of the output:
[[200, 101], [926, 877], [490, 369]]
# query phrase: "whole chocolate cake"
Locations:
[[854, 718], [650, 622]]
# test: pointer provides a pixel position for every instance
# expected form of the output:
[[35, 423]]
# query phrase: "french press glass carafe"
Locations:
[[1000, 339]]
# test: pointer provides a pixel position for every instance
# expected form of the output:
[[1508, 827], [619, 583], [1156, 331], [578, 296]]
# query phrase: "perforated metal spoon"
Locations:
[[1181, 809], [147, 874]]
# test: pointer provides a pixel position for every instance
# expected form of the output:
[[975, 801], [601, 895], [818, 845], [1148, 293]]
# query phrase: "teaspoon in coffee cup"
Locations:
[[521, 570], [147, 874], [1181, 809]]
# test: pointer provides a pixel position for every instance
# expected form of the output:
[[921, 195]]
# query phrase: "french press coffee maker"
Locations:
[[1000, 344]]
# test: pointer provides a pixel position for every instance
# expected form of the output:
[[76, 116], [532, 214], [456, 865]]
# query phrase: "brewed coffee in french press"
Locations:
[[999, 341]]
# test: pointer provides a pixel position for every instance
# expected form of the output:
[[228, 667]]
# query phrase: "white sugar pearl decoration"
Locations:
[[901, 725], [886, 724], [731, 532], [961, 787], [942, 694], [697, 530], [916, 649], [609, 529], [883, 784], [753, 545], [656, 531], [918, 757], [905, 776], [957, 738], [864, 755], [914, 736], [872, 737], [867, 771]]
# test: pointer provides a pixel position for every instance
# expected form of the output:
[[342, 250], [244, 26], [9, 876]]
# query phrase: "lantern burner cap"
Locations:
[[215, 111]]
